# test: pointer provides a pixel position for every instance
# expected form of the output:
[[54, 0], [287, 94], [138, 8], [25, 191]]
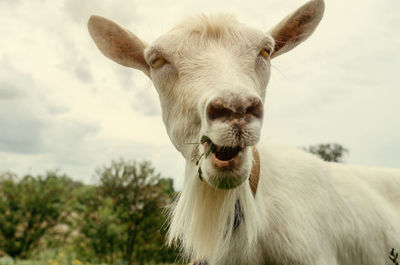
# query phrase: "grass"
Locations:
[[58, 261], [53, 257], [394, 256]]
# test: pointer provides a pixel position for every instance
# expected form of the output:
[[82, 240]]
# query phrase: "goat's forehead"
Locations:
[[202, 31]]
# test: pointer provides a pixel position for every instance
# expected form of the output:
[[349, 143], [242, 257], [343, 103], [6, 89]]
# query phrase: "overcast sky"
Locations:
[[64, 106]]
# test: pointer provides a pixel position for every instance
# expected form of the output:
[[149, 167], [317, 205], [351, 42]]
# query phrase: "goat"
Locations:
[[244, 202]]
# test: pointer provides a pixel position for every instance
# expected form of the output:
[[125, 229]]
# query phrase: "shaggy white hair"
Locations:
[[306, 211], [203, 220]]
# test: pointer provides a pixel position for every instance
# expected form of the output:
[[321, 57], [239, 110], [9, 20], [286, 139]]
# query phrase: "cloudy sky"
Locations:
[[65, 106]]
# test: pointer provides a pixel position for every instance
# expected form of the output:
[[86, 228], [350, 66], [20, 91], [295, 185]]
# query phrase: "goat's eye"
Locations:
[[265, 52], [157, 62]]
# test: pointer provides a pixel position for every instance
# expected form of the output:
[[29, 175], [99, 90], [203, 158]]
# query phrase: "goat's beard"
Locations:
[[202, 220]]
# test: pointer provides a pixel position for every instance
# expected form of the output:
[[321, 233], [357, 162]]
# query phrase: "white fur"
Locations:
[[306, 211]]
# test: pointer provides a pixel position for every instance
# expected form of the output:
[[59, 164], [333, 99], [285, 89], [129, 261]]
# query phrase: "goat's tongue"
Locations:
[[225, 158]]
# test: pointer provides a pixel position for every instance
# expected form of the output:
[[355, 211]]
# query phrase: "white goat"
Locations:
[[211, 75]]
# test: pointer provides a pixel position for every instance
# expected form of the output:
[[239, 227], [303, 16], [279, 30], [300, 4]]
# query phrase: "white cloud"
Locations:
[[30, 122], [341, 85]]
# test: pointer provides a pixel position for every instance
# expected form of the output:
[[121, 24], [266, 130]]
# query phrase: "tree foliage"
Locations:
[[29, 208], [123, 215], [331, 152], [118, 221]]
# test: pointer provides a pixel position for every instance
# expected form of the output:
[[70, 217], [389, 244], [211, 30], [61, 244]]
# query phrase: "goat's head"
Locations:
[[211, 75]]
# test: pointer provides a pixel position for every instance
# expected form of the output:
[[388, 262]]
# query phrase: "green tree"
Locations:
[[29, 208], [123, 216], [331, 152]]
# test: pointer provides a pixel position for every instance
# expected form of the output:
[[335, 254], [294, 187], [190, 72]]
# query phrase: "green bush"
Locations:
[[118, 221], [29, 208], [122, 217], [330, 152]]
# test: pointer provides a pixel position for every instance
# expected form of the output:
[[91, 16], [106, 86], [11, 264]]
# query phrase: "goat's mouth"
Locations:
[[224, 167], [223, 157]]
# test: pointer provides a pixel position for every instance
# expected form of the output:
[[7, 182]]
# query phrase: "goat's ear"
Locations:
[[297, 27], [118, 44]]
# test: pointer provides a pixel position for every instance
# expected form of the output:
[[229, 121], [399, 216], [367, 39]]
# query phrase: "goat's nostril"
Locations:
[[255, 109], [238, 108], [217, 110]]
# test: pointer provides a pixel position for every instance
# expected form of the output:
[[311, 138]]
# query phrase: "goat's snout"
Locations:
[[240, 108]]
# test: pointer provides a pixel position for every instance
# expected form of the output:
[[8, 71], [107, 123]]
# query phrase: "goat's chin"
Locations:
[[231, 176]]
